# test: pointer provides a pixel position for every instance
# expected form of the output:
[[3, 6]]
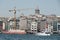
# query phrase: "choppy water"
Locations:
[[28, 37]]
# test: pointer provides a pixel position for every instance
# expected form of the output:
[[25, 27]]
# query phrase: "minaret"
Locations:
[[37, 11]]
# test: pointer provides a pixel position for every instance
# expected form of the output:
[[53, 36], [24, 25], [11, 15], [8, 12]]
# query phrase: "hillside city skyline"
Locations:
[[46, 7]]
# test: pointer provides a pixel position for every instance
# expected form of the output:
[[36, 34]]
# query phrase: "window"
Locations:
[[32, 25], [55, 26], [35, 28], [58, 27], [32, 28]]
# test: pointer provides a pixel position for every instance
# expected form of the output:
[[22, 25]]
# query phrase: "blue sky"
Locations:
[[46, 7]]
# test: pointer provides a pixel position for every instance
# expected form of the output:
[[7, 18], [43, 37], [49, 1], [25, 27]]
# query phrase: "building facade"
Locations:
[[23, 22], [34, 27]]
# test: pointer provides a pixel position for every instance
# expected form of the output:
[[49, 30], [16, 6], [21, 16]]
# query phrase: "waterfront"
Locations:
[[28, 37]]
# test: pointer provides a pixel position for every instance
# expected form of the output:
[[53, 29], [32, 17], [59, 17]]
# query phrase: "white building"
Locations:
[[58, 27], [34, 27], [23, 22], [49, 29], [3, 26]]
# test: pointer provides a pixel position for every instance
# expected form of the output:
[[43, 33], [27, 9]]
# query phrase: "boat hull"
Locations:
[[14, 32], [42, 34]]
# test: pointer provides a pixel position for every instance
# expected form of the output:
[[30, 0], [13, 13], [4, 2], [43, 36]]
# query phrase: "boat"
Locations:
[[42, 34], [14, 32]]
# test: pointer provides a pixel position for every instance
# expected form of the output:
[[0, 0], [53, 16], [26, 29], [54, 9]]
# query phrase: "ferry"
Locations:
[[12, 31]]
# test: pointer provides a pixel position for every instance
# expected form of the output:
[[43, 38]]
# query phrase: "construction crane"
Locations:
[[14, 10]]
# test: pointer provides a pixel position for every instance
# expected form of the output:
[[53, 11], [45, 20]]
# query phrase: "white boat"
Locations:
[[42, 34]]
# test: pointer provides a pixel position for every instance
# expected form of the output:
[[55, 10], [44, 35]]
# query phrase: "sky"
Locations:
[[46, 7]]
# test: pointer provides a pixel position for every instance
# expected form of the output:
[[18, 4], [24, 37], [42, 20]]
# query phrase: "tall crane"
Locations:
[[14, 10]]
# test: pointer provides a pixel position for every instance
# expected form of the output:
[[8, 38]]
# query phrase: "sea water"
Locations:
[[28, 37]]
